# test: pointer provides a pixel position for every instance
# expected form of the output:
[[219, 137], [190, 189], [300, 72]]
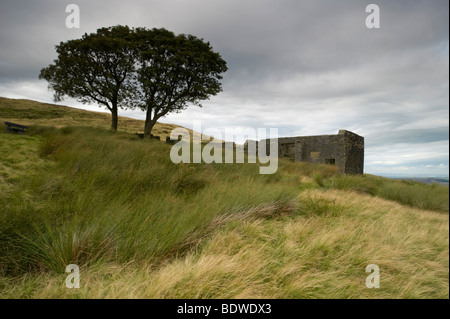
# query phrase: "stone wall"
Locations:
[[354, 152], [344, 150]]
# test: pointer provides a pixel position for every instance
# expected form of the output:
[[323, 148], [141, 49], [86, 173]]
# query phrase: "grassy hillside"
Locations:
[[140, 226], [28, 112]]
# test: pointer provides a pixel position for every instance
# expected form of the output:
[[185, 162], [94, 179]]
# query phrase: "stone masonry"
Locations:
[[344, 150]]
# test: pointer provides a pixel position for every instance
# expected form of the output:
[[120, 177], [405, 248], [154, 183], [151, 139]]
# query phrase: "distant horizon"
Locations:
[[137, 116], [309, 67], [412, 176]]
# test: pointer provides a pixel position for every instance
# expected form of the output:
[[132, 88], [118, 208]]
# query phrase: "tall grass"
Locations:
[[321, 253], [411, 193], [114, 197], [415, 194], [140, 226]]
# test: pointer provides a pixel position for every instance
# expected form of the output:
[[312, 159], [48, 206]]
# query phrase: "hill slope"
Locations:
[[29, 112], [140, 226]]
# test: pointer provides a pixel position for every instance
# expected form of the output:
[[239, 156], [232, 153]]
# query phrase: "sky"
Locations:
[[305, 67]]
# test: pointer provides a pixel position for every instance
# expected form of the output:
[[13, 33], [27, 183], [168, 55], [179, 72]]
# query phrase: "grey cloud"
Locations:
[[307, 67], [412, 136]]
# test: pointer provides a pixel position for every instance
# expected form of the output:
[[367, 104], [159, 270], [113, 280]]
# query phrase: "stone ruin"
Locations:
[[344, 150]]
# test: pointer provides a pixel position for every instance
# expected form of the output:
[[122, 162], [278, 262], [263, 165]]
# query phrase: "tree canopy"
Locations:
[[94, 69], [120, 67], [174, 71]]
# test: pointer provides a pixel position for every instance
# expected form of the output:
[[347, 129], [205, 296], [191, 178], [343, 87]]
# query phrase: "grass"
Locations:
[[140, 226], [306, 256], [411, 193], [99, 202], [29, 112]]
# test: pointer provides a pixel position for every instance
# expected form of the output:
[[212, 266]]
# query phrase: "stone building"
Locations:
[[344, 150]]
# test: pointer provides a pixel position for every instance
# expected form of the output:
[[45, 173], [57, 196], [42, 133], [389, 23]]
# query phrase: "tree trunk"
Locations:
[[114, 118], [149, 123]]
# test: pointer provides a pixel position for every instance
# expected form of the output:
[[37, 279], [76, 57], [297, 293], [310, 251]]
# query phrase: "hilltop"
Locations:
[[140, 226], [29, 112]]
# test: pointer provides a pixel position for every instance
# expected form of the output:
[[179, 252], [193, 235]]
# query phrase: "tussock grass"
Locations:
[[140, 226], [292, 256], [415, 194], [114, 197], [411, 193]]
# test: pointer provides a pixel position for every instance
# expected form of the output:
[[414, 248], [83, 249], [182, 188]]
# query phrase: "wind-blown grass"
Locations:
[[114, 197], [285, 256], [140, 226], [411, 193]]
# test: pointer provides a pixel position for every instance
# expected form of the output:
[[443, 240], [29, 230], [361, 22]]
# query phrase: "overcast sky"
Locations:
[[306, 67]]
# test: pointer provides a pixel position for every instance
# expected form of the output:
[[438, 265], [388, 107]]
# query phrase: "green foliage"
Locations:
[[122, 67], [94, 69], [173, 71]]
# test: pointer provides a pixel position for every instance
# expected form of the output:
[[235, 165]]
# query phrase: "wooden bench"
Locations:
[[15, 128]]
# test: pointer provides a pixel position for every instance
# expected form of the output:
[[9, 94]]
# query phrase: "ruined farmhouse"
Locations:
[[345, 150]]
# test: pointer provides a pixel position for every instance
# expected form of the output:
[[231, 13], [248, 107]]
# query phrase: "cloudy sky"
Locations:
[[306, 67]]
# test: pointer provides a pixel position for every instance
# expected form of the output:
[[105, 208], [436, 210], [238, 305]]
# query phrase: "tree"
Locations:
[[173, 71], [119, 67], [94, 69]]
